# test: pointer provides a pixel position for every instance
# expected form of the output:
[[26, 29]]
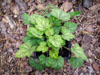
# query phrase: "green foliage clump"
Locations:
[[49, 34]]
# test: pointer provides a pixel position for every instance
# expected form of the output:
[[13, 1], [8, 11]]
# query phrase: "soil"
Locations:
[[12, 32]]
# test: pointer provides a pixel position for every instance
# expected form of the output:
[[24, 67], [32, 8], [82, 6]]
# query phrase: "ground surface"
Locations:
[[12, 32]]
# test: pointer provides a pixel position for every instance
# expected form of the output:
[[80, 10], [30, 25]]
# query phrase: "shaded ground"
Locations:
[[12, 32]]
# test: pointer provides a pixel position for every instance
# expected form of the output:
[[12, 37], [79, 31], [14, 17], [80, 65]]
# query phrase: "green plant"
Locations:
[[48, 34]]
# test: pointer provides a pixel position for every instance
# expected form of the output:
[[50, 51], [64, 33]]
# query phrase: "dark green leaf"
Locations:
[[76, 62], [56, 29], [58, 63], [35, 64]]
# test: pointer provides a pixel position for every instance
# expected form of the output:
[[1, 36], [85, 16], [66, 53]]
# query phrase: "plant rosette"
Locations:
[[49, 34]]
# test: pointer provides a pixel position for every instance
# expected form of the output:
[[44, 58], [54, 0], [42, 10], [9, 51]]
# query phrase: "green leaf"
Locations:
[[42, 23], [60, 14], [56, 29], [70, 26], [54, 21], [49, 32], [66, 34], [54, 54], [32, 40], [34, 32], [49, 61], [76, 13], [26, 19], [44, 61], [78, 52], [33, 18], [58, 63], [25, 50], [56, 40], [35, 64], [76, 62], [42, 47]]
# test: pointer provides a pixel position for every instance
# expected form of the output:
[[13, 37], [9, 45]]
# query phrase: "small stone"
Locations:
[[95, 66], [18, 44]]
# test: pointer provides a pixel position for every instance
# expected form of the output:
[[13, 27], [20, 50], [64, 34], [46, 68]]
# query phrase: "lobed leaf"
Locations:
[[35, 64], [76, 62], [70, 26], [60, 14], [33, 32], [66, 34], [42, 47], [78, 52], [25, 50], [26, 19], [56, 40]]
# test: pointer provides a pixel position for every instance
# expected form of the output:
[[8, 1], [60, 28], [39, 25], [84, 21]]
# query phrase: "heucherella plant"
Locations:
[[49, 34]]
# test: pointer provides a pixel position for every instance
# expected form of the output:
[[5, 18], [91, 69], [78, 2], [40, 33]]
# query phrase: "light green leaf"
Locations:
[[34, 17], [54, 54], [49, 32], [58, 63], [76, 62], [42, 47], [42, 23], [76, 13], [34, 32], [70, 26], [78, 52], [60, 14], [56, 41], [25, 50], [26, 19], [35, 64], [66, 34]]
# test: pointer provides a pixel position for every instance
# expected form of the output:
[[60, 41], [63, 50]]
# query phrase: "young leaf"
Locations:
[[78, 52], [54, 54], [33, 18], [49, 32], [25, 50], [56, 40], [35, 65], [42, 47], [66, 34], [42, 23], [26, 19], [70, 26], [34, 32], [76, 62], [58, 63], [75, 13], [60, 14]]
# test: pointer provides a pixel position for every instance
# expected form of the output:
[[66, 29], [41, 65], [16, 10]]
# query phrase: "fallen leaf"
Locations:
[[66, 6], [96, 66]]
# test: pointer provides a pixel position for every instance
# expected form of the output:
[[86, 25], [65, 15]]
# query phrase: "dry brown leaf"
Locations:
[[67, 6]]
